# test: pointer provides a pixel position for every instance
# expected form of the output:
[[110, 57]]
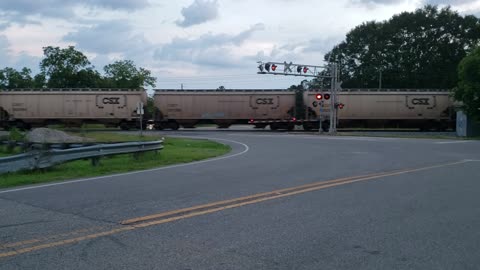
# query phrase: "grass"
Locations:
[[5, 152], [175, 151], [110, 137]]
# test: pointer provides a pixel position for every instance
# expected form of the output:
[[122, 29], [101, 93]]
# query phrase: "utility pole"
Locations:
[[275, 68], [333, 109], [380, 80]]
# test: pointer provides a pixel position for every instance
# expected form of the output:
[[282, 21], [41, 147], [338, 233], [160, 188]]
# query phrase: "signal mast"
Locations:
[[329, 71]]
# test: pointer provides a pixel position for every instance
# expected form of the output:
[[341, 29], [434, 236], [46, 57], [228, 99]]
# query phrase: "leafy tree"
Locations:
[[40, 81], [88, 78], [66, 67], [124, 74], [468, 90], [150, 109], [11, 78], [299, 110], [418, 49]]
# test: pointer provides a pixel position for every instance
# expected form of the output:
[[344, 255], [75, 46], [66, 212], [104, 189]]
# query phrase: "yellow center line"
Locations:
[[143, 222], [50, 237], [208, 205]]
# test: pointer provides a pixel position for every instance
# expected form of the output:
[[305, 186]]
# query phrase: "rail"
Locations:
[[39, 159]]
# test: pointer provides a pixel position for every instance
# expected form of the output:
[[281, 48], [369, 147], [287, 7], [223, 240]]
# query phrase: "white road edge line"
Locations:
[[450, 142], [346, 138], [137, 172]]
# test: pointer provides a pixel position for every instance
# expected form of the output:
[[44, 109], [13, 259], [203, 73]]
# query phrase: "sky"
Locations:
[[200, 44]]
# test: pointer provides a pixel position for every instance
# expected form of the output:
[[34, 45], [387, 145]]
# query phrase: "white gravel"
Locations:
[[46, 135]]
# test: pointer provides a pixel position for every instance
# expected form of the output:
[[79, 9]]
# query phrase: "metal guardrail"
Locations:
[[43, 159]]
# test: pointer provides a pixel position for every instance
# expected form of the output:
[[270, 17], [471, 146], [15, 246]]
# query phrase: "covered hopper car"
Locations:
[[424, 109], [25, 108], [224, 108]]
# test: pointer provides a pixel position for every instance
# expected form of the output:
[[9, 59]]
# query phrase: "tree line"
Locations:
[[420, 49], [70, 68], [428, 48]]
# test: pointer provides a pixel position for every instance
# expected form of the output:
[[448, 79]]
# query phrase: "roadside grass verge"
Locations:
[[175, 151], [113, 137]]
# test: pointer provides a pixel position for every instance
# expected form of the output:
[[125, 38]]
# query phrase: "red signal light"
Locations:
[[305, 69], [340, 106], [319, 96], [326, 96], [274, 67]]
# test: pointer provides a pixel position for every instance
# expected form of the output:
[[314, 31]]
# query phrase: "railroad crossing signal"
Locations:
[[321, 72], [325, 96], [302, 70], [339, 105]]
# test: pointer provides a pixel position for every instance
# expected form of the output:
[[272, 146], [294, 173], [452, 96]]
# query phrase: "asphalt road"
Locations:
[[278, 201]]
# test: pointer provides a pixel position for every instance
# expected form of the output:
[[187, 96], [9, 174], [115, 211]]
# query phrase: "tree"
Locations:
[[40, 81], [11, 78], [64, 68], [418, 49], [124, 74], [468, 90], [299, 110]]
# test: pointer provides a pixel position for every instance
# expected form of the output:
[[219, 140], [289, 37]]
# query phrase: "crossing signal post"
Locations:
[[322, 72]]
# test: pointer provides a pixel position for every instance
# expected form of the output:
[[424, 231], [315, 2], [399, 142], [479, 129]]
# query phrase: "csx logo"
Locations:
[[111, 100], [421, 101], [264, 101]]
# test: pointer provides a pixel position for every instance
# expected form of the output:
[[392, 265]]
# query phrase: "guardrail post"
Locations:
[[95, 161]]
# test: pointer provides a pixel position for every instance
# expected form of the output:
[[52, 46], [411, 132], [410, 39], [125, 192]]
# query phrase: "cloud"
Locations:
[[200, 11], [208, 49], [450, 2], [117, 4], [115, 36], [18, 61], [4, 49], [112, 40], [18, 10], [392, 2], [375, 2]]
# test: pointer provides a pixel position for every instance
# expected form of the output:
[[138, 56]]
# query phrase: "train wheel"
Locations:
[[174, 125], [273, 126], [22, 125], [260, 126], [124, 126]]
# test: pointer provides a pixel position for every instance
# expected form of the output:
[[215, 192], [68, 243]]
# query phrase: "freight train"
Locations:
[[26, 108], [278, 109], [424, 109]]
